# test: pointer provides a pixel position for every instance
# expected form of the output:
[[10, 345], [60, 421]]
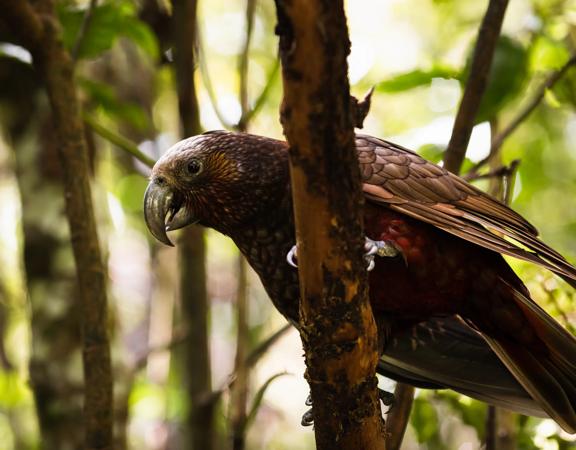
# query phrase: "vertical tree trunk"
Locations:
[[336, 323], [191, 249], [475, 84], [55, 350], [37, 28]]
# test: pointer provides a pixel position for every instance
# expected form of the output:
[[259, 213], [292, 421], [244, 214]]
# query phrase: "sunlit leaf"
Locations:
[[431, 152], [414, 79], [547, 54], [108, 22]]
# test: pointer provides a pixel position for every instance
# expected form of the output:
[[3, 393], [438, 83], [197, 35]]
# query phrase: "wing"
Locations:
[[446, 353], [407, 183]]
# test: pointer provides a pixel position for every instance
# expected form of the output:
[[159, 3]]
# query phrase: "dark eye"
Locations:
[[194, 167]]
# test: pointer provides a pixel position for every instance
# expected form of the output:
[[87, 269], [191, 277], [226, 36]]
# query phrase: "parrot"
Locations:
[[452, 312]]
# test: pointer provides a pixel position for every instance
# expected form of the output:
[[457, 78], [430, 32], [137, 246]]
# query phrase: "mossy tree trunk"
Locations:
[[336, 322]]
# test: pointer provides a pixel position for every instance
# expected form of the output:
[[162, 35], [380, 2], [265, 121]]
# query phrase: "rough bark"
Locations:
[[191, 248], [475, 85], [336, 322], [37, 27]]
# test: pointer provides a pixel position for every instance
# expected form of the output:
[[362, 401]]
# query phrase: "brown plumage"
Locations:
[[451, 311]]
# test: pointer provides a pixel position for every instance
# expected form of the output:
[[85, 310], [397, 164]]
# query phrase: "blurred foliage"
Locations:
[[416, 53], [109, 21]]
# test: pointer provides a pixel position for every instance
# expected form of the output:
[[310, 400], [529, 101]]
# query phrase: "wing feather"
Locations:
[[407, 183]]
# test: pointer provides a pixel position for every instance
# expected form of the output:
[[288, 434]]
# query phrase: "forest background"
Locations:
[[168, 389]]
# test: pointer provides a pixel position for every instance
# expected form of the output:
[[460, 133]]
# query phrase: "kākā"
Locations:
[[455, 314]]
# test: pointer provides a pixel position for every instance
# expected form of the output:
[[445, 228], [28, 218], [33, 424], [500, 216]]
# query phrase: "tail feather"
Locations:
[[547, 371], [545, 382], [445, 352]]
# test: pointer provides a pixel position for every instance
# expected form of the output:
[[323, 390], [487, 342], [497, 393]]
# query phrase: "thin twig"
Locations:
[[523, 114], [243, 62], [119, 141], [261, 350], [490, 435], [397, 419], [204, 72], [476, 84], [251, 360], [496, 173], [84, 27], [239, 391], [178, 337], [251, 112]]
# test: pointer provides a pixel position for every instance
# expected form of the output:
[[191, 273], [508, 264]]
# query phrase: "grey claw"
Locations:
[[307, 418], [291, 257], [378, 248], [371, 263], [387, 398]]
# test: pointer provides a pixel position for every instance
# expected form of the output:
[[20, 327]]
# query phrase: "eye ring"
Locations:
[[194, 167]]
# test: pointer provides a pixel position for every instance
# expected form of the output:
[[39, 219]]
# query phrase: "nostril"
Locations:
[[160, 181]]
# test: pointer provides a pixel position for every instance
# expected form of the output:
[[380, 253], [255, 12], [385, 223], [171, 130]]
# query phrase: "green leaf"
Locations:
[[431, 152], [415, 78], [118, 110], [506, 79], [424, 420], [109, 22], [547, 54], [251, 416]]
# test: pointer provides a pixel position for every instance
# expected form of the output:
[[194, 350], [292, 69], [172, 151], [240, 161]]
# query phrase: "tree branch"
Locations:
[[523, 114], [205, 73], [39, 31], [336, 324], [118, 140], [397, 419], [239, 389], [251, 112], [243, 64], [475, 85], [192, 249]]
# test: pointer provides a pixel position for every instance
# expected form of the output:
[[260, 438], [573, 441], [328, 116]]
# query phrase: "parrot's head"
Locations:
[[218, 179]]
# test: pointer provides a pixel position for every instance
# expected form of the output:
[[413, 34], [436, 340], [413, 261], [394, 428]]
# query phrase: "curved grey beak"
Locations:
[[158, 202], [164, 211]]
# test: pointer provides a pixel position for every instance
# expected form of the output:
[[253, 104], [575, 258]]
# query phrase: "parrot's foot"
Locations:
[[378, 248], [387, 398], [371, 248], [308, 416]]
